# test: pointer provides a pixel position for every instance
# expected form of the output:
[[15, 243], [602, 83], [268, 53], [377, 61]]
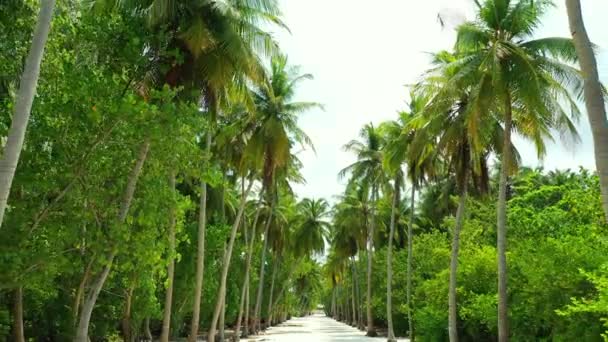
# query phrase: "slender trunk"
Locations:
[[501, 227], [226, 265], [333, 303], [270, 295], [410, 250], [18, 332], [147, 332], [126, 318], [222, 323], [165, 332], [453, 309], [81, 288], [258, 301], [594, 98], [200, 256], [361, 326], [389, 267], [244, 304], [82, 330], [353, 297], [370, 251], [23, 105], [246, 330]]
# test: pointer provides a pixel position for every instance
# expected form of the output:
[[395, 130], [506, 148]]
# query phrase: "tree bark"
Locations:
[[147, 332], [127, 332], [410, 252], [594, 97], [501, 227], [270, 295], [82, 330], [248, 273], [353, 296], [244, 304], [81, 288], [370, 251], [166, 328], [23, 105], [200, 256], [389, 267], [226, 265], [18, 332], [453, 309], [258, 302]]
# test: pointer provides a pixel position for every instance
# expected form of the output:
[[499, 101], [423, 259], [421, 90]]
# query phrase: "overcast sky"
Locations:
[[363, 53]]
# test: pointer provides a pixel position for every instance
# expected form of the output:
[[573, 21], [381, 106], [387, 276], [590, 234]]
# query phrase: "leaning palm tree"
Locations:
[[523, 82], [23, 105], [594, 95], [368, 170]]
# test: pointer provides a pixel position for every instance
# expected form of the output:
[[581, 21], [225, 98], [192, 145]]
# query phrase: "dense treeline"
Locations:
[[424, 184], [152, 196]]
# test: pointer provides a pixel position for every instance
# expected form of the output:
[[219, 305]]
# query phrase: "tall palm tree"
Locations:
[[594, 95], [23, 105], [313, 229], [368, 170], [522, 81], [274, 129]]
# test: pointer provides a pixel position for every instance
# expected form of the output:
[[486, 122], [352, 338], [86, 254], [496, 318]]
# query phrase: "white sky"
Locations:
[[363, 53]]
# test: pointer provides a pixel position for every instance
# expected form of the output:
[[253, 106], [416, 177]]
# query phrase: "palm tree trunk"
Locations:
[[410, 250], [247, 278], [200, 255], [165, 332], [127, 332], [353, 297], [258, 301], [226, 265], [270, 295], [333, 303], [147, 332], [370, 251], [82, 330], [18, 332], [594, 99], [222, 323], [453, 309], [23, 105], [501, 227], [389, 266]]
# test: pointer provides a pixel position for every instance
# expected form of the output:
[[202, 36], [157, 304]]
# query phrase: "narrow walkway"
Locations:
[[314, 328]]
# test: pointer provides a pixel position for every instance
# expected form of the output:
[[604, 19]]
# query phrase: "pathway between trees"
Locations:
[[317, 327]]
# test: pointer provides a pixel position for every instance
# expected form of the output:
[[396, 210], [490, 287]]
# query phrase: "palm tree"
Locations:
[[274, 130], [594, 95], [313, 228], [368, 170], [23, 105], [522, 81], [463, 141]]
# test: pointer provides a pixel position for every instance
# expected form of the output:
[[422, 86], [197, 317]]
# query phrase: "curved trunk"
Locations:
[[389, 265], [164, 336], [81, 288], [226, 265], [82, 330], [270, 295], [453, 309], [147, 332], [594, 98], [18, 333], [23, 105], [200, 255], [353, 297], [370, 251], [127, 332], [501, 227], [410, 251], [258, 301], [244, 305]]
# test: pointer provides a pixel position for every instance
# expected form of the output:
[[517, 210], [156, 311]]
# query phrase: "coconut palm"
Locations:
[[313, 229], [368, 170], [23, 105], [521, 80], [594, 95]]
